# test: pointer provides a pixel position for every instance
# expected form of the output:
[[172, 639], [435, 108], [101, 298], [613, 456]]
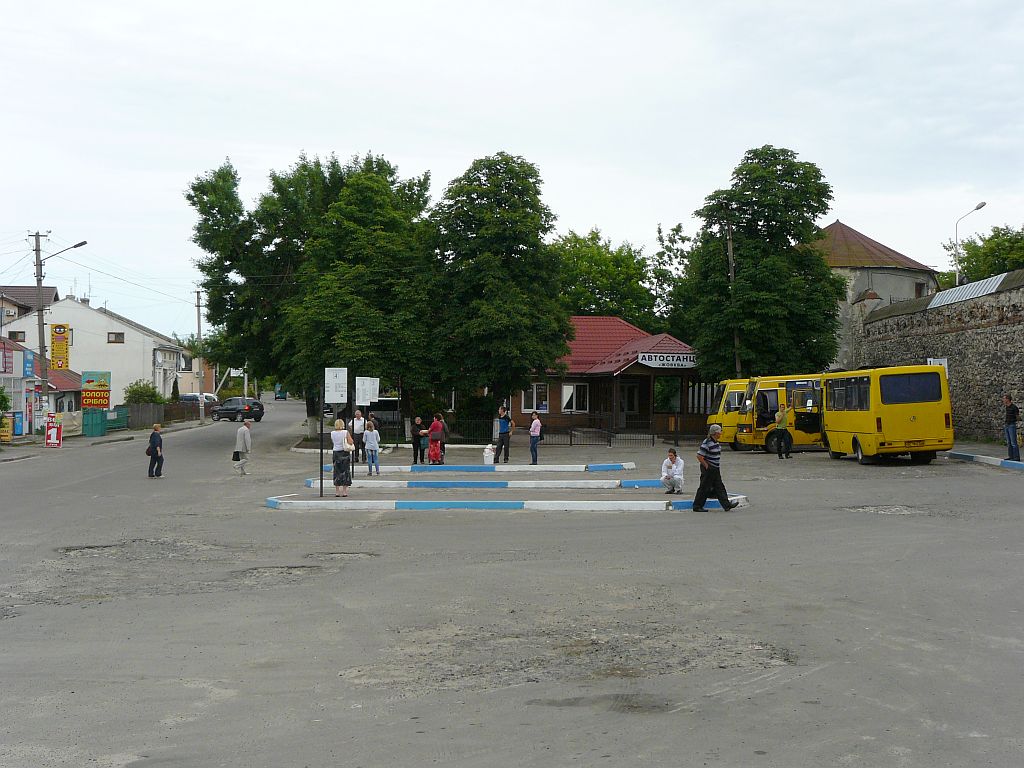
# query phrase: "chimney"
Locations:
[[85, 300]]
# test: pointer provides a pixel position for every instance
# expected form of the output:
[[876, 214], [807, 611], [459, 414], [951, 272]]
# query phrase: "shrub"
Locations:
[[142, 391]]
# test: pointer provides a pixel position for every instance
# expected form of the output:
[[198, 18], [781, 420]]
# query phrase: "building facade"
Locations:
[[101, 340]]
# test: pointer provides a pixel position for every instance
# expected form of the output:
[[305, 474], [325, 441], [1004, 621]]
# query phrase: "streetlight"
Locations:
[[43, 365], [956, 236]]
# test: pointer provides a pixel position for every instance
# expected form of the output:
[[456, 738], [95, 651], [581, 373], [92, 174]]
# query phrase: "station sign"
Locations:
[[668, 359], [336, 386]]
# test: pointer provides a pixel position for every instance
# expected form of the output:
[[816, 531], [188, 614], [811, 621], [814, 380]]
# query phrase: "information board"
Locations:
[[336, 386]]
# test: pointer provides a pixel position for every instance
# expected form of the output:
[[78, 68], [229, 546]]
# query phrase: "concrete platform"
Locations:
[[293, 502], [625, 466]]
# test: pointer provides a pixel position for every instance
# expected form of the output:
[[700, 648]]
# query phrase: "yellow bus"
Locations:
[[761, 402], [725, 410], [887, 412]]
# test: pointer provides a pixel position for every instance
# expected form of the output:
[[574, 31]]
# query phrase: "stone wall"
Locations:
[[982, 339]]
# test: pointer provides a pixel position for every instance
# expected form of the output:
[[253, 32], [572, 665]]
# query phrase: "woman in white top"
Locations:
[[371, 443], [342, 445]]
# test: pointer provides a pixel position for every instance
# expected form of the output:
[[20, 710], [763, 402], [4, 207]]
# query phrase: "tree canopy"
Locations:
[[600, 279], [781, 311], [502, 317], [1002, 250]]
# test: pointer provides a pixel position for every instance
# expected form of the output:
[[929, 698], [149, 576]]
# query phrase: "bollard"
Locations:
[[489, 454]]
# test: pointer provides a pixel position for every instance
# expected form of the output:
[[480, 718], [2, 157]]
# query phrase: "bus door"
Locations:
[[806, 421]]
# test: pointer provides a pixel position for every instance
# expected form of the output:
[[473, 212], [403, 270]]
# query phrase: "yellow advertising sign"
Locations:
[[60, 343], [6, 428]]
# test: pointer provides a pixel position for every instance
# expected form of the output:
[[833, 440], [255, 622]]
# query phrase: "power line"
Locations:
[[117, 277]]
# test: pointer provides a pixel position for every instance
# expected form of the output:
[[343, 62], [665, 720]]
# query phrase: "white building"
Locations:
[[102, 340]]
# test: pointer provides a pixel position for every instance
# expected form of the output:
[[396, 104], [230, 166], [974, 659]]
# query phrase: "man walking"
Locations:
[[710, 457], [1010, 430], [672, 472], [505, 429], [243, 446]]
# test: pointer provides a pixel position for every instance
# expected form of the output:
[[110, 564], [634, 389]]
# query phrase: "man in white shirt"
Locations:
[[672, 472], [358, 427], [243, 446]]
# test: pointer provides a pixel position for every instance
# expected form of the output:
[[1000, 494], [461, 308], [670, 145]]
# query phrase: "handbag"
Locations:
[[149, 451], [235, 456]]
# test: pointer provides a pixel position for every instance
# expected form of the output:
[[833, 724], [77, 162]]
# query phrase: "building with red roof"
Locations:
[[609, 382], [21, 377]]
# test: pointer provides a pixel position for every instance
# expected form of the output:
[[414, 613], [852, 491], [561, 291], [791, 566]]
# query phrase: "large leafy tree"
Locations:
[[781, 311], [601, 279], [501, 315], [299, 282], [1002, 250]]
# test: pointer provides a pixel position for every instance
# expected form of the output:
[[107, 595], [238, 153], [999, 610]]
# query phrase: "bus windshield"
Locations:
[[897, 388]]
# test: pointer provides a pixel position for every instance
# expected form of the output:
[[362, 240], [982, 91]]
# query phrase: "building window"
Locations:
[[920, 289], [535, 398], [16, 335], [115, 338], [575, 398]]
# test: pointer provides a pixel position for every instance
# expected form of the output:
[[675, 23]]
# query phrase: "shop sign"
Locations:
[[60, 344], [96, 389], [54, 430]]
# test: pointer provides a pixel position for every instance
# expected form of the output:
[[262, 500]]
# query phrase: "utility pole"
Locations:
[[732, 292], [199, 360], [43, 363]]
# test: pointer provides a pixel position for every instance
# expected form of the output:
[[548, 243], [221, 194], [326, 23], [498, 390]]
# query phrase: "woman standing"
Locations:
[[436, 435], [371, 444], [156, 452], [535, 427], [342, 444]]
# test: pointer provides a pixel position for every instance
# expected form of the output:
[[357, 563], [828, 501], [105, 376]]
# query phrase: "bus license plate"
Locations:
[[915, 442]]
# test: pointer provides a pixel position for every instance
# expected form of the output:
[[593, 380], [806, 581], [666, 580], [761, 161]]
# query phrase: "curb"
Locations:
[[626, 466], [289, 502], [113, 440], [313, 482], [990, 460]]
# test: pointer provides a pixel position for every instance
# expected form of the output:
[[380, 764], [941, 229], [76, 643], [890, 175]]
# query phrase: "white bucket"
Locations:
[[489, 454]]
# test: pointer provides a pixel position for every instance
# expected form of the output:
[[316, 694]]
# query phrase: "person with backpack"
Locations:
[[535, 436]]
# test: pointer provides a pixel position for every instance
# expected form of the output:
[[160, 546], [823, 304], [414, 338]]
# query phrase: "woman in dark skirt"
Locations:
[[342, 458]]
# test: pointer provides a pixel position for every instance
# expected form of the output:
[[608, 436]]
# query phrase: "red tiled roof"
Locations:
[[610, 344], [596, 338], [844, 246]]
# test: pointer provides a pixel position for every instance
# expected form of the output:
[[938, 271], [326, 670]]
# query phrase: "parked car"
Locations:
[[237, 408]]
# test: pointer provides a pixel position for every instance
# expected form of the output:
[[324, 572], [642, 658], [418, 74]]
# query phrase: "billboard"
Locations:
[[96, 389], [60, 346]]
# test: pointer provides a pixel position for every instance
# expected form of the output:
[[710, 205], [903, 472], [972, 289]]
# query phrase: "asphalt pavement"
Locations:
[[851, 615]]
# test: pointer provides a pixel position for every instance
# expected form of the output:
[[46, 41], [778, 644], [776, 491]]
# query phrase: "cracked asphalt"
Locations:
[[851, 615]]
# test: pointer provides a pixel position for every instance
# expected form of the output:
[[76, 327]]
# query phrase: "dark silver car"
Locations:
[[238, 408]]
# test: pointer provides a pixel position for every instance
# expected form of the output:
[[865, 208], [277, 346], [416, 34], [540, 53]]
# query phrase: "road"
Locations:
[[852, 615]]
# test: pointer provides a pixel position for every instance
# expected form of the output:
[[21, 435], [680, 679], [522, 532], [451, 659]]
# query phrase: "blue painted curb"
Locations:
[[990, 460], [688, 505], [1007, 464], [460, 505], [273, 503], [640, 483], [605, 468]]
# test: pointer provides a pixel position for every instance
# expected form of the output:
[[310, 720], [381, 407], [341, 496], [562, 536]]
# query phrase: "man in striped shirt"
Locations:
[[710, 457]]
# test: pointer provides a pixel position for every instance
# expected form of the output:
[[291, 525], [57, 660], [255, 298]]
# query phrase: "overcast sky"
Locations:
[[633, 111]]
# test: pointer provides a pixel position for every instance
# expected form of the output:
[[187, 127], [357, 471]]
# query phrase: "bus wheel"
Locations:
[[861, 458], [833, 454], [771, 443], [922, 457]]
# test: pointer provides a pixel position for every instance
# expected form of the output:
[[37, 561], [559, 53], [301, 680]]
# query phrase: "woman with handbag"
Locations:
[[343, 447], [155, 451], [436, 435]]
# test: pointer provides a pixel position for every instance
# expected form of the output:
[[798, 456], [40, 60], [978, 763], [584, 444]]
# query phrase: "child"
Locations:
[[371, 444]]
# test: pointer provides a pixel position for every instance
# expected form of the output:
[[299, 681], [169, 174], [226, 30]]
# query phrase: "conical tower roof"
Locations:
[[844, 246]]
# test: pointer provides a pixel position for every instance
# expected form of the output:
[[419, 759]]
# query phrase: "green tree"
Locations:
[[142, 391], [979, 257], [782, 309], [599, 279], [324, 271], [503, 319]]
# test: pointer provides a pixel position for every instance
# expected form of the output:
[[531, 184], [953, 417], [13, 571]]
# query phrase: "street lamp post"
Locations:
[[956, 236], [43, 364]]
